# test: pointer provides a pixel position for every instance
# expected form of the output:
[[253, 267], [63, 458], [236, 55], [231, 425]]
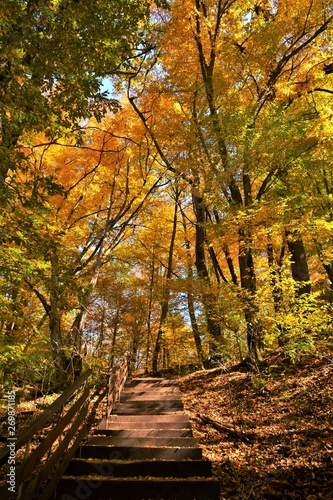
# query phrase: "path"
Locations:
[[144, 451]]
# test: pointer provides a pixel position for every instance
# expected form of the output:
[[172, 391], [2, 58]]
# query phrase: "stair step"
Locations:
[[140, 433], [147, 396], [138, 489], [138, 390], [144, 451], [176, 417], [139, 453], [151, 468], [105, 425], [185, 442], [149, 408], [154, 404], [150, 382]]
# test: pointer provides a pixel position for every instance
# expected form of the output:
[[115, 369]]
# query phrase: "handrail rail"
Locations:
[[67, 433], [56, 460], [47, 414], [117, 379]]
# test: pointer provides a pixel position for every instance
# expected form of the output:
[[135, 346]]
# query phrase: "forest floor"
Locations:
[[269, 434]]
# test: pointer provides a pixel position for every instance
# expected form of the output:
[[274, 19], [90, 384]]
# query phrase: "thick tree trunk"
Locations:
[[60, 359], [52, 312], [299, 263]]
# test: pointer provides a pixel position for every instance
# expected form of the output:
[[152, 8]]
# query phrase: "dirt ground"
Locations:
[[269, 435]]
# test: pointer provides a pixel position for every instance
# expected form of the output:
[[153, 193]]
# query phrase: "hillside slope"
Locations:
[[269, 435]]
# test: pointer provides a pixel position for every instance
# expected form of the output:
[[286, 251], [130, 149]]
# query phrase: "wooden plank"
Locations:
[[161, 392], [155, 380], [127, 398], [183, 442], [49, 492], [40, 421], [26, 469], [176, 417], [5, 494], [145, 432], [138, 489], [135, 453], [149, 406], [50, 465], [142, 425], [148, 385], [144, 468]]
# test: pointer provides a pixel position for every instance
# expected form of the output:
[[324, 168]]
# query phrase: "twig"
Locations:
[[226, 429]]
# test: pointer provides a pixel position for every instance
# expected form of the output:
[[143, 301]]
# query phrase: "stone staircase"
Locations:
[[144, 451]]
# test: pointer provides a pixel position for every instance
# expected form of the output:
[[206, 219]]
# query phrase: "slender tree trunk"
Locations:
[[150, 308], [230, 264], [274, 269], [166, 294], [158, 344], [190, 301], [209, 302], [114, 337], [195, 329], [248, 283], [275, 281]]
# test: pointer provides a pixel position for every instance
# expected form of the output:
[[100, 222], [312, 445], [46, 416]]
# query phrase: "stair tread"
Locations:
[[139, 452], [140, 489], [151, 418], [142, 479], [144, 450], [152, 432], [158, 441]]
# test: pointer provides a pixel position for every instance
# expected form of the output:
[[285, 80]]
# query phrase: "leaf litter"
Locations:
[[269, 435]]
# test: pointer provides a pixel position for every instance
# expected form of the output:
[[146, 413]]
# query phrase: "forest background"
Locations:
[[185, 214]]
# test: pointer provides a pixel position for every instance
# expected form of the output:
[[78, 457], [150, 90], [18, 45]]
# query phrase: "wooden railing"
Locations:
[[37, 476], [41, 469], [117, 379]]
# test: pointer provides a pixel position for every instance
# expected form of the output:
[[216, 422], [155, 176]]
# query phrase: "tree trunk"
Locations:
[[275, 277], [166, 294], [150, 308], [230, 264], [248, 283], [190, 301], [195, 329], [213, 326], [299, 264]]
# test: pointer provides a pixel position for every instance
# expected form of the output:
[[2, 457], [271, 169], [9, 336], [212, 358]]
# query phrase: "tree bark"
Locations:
[[190, 300], [299, 263], [195, 328], [213, 326], [166, 294]]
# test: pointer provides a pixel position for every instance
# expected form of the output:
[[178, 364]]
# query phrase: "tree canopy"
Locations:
[[187, 215]]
